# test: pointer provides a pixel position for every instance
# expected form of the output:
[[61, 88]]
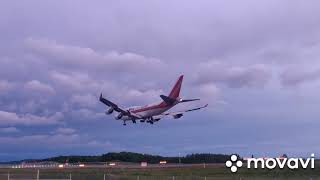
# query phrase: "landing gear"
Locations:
[[134, 121], [151, 122], [148, 120], [124, 123]]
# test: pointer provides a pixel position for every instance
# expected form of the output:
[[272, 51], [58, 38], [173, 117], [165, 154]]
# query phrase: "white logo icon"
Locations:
[[238, 163]]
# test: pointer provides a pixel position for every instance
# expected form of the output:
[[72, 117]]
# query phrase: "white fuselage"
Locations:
[[149, 111]]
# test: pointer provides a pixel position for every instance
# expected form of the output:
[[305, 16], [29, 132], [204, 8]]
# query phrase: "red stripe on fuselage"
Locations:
[[161, 105]]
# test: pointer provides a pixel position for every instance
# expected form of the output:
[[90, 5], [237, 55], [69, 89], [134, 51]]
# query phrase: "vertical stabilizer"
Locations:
[[175, 92]]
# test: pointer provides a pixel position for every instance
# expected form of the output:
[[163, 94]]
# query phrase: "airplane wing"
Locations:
[[117, 108], [179, 114]]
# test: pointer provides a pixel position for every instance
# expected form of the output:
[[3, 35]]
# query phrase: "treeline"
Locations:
[[137, 158]]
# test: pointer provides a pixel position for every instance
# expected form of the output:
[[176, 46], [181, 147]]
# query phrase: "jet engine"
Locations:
[[119, 116], [177, 116], [109, 111]]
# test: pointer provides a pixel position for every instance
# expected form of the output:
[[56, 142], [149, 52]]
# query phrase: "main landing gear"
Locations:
[[150, 120]]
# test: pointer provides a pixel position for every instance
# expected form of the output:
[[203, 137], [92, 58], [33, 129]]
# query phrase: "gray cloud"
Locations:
[[65, 131], [75, 81], [11, 118], [233, 76], [50, 141], [37, 86], [85, 100], [5, 86], [9, 130], [79, 57], [292, 77]]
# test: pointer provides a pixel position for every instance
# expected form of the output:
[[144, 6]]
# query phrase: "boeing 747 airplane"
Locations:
[[153, 112]]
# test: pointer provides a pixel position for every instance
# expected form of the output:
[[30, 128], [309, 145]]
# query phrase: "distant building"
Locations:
[[163, 162], [112, 164], [144, 164]]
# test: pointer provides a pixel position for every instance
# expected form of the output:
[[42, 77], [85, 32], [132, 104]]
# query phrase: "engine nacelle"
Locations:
[[177, 116], [109, 111], [119, 116]]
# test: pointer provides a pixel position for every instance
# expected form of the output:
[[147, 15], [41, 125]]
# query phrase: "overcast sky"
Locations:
[[255, 62]]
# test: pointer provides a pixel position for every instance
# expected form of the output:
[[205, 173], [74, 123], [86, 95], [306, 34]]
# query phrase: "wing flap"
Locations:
[[181, 112]]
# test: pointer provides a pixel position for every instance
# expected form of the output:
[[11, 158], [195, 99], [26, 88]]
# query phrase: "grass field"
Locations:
[[177, 173]]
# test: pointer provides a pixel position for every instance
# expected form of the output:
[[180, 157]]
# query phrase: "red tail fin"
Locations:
[[176, 88]]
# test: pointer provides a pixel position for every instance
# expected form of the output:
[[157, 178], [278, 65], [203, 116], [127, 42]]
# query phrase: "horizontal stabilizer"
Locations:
[[188, 100], [167, 99]]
